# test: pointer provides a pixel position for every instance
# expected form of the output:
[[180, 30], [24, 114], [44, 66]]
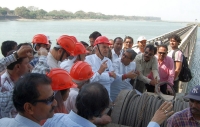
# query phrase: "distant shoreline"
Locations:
[[23, 19]]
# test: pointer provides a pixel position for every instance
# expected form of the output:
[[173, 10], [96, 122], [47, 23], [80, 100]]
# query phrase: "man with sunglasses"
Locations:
[[146, 63], [189, 117], [166, 70], [34, 100]]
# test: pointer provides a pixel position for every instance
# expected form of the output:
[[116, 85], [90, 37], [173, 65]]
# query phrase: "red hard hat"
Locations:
[[40, 39], [80, 49], [102, 40], [68, 43], [81, 71], [61, 79]]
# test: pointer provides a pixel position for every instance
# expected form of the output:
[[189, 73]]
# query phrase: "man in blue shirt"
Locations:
[[91, 102], [34, 100]]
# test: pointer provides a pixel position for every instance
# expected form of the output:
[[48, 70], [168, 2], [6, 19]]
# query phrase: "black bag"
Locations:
[[185, 73]]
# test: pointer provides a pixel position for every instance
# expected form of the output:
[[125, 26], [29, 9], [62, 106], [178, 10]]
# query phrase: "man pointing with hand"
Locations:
[[101, 65]]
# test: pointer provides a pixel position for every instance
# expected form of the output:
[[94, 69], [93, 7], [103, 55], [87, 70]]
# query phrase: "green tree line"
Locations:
[[32, 12]]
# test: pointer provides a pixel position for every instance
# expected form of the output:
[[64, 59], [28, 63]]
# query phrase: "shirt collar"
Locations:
[[80, 120], [26, 121], [113, 51], [142, 55], [99, 58]]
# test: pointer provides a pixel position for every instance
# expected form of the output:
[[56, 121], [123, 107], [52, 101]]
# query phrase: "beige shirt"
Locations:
[[146, 67]]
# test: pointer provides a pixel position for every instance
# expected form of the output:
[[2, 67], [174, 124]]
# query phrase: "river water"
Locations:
[[23, 31]]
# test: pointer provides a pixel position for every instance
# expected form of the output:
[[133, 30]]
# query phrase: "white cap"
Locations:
[[141, 38]]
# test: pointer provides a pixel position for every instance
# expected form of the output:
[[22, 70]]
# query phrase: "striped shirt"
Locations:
[[4, 62], [182, 118]]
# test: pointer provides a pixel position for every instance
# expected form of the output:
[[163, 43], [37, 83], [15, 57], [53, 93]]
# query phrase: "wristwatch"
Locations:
[[15, 54]]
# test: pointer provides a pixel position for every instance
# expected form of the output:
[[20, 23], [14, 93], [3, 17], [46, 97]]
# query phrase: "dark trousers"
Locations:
[[163, 88], [140, 86], [175, 86]]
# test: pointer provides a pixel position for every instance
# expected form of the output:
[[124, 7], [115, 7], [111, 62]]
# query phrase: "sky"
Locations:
[[168, 10]]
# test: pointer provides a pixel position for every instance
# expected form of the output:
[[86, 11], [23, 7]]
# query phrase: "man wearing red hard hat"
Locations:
[[101, 65]]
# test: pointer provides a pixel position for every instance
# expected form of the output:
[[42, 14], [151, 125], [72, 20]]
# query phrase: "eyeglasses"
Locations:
[[47, 101], [162, 53], [125, 56], [149, 54], [191, 100]]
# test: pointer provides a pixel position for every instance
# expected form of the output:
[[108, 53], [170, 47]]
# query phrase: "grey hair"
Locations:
[[132, 52]]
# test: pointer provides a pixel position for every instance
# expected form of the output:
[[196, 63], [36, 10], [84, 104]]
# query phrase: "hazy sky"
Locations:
[[171, 10]]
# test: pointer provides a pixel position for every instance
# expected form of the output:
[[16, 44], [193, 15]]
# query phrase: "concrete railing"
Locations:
[[188, 43], [165, 37]]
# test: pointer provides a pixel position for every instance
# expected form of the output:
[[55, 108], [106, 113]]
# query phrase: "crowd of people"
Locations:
[[73, 83]]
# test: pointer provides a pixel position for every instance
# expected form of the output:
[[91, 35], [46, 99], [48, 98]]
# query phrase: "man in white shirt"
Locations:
[[125, 70], [79, 55], [117, 48], [101, 65], [64, 48], [177, 56], [141, 45]]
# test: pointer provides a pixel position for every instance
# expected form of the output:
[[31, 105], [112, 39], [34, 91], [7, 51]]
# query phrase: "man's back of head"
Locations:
[[92, 100], [8, 46], [93, 36]]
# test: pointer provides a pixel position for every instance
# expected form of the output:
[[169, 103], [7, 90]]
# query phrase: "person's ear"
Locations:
[[29, 108], [17, 66], [60, 51]]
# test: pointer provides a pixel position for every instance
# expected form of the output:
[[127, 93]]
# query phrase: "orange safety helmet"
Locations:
[[102, 40], [68, 43], [80, 49], [81, 71], [40, 39], [61, 79]]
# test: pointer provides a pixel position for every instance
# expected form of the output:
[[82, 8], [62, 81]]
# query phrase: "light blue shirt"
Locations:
[[119, 84], [68, 120], [153, 124], [18, 121]]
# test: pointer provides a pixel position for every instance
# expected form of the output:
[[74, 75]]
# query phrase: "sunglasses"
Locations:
[[149, 54], [47, 101], [162, 53]]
